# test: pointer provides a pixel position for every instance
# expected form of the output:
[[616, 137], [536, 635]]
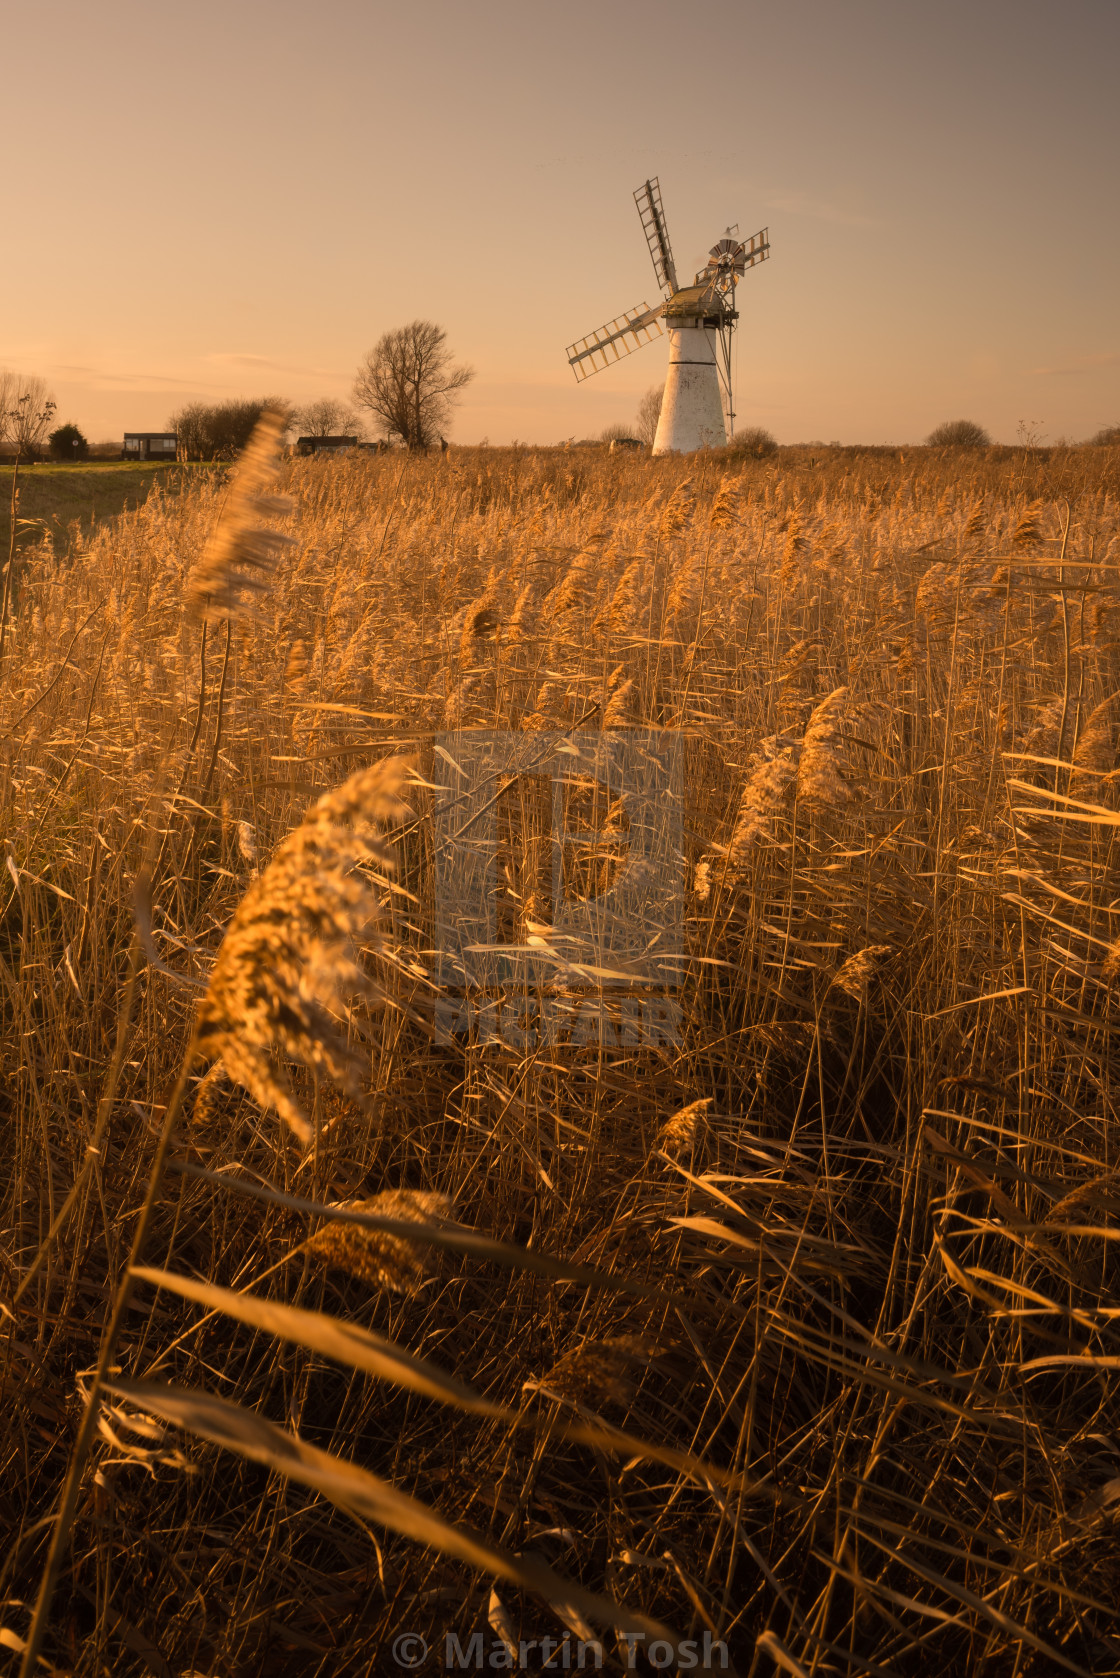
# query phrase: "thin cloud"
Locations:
[[1083, 364], [266, 364], [98, 379], [819, 209]]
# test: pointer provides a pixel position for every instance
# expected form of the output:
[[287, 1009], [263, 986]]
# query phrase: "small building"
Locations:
[[324, 445], [150, 445]]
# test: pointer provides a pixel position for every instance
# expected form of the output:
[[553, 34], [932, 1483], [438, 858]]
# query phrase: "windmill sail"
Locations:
[[614, 340], [697, 408], [648, 200]]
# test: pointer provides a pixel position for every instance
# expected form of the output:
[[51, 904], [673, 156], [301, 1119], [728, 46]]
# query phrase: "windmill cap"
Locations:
[[693, 301]]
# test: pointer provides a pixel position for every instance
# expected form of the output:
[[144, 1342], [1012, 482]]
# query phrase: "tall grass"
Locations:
[[798, 1331]]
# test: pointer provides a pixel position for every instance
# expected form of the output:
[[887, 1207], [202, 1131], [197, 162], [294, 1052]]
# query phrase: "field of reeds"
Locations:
[[324, 1327]]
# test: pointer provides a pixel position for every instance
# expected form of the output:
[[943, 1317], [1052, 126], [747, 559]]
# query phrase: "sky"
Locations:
[[232, 199]]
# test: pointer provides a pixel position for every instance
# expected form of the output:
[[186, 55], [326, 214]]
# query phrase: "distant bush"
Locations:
[[1107, 437], [67, 443], [958, 434], [754, 440], [616, 433], [219, 430]]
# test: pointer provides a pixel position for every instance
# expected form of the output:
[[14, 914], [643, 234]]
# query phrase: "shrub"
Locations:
[[68, 443], [1107, 437], [958, 434], [754, 440], [219, 430]]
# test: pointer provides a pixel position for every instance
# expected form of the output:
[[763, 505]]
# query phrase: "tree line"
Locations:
[[407, 386], [405, 390]]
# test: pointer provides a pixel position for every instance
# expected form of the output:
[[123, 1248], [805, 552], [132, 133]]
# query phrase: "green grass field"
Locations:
[[59, 496]]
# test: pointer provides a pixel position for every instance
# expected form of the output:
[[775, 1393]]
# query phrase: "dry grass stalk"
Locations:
[[459, 710], [625, 599], [1049, 734]]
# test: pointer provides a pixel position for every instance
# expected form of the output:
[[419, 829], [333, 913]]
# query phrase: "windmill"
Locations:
[[700, 317]]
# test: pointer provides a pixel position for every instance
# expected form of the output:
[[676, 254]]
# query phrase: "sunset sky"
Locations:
[[213, 200]]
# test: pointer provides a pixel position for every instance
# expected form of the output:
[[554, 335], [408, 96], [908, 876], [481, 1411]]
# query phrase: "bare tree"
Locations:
[[326, 418], [649, 412], [7, 399], [409, 383], [29, 411]]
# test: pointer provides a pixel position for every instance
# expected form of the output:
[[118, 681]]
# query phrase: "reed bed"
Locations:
[[797, 1332]]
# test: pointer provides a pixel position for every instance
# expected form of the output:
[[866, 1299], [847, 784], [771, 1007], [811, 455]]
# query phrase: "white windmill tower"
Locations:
[[696, 410]]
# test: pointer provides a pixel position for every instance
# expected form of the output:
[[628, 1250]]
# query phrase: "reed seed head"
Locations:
[[765, 796], [679, 1136], [620, 705], [678, 510], [1028, 531], [856, 974], [289, 966], [725, 505], [821, 772], [479, 621], [237, 563], [377, 1257], [602, 1371], [297, 669], [1096, 748]]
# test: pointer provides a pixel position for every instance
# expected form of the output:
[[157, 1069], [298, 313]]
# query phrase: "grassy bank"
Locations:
[[61, 499]]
